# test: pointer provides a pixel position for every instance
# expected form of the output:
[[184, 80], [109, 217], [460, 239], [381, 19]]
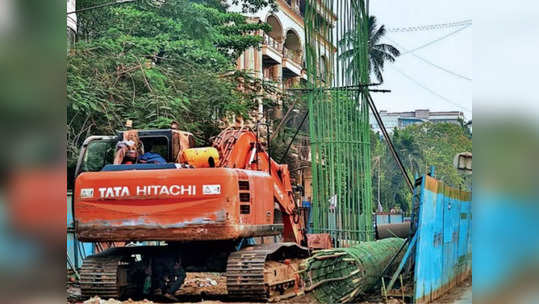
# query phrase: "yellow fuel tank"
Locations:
[[201, 157]]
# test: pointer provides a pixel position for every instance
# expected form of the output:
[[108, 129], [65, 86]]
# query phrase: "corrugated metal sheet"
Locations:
[[444, 250]]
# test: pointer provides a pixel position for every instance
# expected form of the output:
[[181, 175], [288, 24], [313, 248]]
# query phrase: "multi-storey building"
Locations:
[[400, 120], [281, 59]]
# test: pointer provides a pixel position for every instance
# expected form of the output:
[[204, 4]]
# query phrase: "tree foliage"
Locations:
[[419, 146], [157, 63], [254, 5]]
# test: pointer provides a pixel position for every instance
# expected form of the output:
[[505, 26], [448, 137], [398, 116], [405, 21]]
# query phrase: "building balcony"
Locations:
[[292, 61], [272, 49]]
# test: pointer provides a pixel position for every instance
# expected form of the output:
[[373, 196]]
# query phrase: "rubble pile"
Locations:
[[203, 283], [98, 300]]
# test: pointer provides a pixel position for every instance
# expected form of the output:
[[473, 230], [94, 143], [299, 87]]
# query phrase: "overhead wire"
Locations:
[[428, 61], [462, 25], [437, 40], [429, 89], [429, 27]]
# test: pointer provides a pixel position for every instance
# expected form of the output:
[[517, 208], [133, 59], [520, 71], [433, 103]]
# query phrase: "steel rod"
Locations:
[[389, 142], [294, 137]]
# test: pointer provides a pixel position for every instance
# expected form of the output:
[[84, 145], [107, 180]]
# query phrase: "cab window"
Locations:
[[98, 154], [159, 145]]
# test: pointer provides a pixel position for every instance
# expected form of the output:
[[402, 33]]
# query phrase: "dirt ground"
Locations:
[[304, 299], [210, 288], [203, 283], [461, 294]]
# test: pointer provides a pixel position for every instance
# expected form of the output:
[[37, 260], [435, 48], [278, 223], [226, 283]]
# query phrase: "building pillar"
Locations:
[[71, 23]]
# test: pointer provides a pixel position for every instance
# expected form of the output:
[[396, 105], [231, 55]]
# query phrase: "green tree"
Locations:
[[157, 63], [440, 142], [379, 53], [419, 147]]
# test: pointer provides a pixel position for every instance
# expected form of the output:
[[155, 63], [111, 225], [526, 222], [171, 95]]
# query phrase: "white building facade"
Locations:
[[281, 59], [282, 56], [401, 120]]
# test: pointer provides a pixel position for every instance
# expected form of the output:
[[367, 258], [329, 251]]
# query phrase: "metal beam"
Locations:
[[389, 142]]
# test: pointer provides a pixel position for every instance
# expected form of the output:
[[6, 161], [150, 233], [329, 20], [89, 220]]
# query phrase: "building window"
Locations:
[[323, 69]]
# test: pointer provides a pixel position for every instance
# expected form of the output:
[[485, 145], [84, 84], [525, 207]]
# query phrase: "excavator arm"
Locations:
[[239, 148]]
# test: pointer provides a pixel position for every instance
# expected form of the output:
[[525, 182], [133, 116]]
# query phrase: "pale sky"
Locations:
[[506, 67], [453, 53]]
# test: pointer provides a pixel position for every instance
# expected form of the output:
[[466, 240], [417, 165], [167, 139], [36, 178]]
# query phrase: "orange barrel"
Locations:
[[201, 157]]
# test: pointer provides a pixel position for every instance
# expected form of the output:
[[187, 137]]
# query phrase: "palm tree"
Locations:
[[379, 53]]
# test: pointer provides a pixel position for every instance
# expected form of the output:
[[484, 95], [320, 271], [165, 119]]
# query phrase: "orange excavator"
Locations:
[[204, 206]]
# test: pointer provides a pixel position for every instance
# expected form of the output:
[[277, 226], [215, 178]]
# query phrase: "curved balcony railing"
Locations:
[[273, 43], [293, 55]]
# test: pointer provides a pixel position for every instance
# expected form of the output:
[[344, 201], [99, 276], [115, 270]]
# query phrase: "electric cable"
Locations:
[[430, 27], [437, 40], [428, 61], [429, 90]]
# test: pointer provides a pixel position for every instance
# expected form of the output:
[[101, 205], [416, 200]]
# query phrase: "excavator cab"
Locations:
[[98, 152]]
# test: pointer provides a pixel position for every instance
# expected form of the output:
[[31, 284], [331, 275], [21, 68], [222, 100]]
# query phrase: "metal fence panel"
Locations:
[[76, 251], [443, 252]]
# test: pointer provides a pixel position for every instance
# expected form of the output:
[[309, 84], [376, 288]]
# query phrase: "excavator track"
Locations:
[[100, 276], [245, 275], [264, 272]]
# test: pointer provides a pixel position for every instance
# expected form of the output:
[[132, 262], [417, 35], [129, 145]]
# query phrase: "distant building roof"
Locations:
[[403, 119]]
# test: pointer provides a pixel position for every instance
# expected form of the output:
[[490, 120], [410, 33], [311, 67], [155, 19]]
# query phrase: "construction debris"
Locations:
[[343, 274], [204, 283], [98, 300]]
